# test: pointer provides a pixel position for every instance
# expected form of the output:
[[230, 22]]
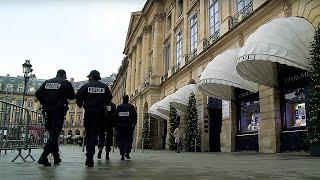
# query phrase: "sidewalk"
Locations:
[[166, 165]]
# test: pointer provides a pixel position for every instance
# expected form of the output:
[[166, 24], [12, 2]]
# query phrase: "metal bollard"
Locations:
[[142, 143], [113, 144], [195, 145], [83, 141]]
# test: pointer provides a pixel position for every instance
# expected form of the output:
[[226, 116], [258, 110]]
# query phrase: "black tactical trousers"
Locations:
[[54, 125], [92, 119], [125, 139], [105, 139]]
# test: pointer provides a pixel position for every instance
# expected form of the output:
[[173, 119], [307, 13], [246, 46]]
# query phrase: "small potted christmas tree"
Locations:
[[313, 110]]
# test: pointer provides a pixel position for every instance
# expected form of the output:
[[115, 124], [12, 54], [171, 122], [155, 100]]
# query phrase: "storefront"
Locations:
[[276, 57], [293, 90], [240, 125], [248, 120]]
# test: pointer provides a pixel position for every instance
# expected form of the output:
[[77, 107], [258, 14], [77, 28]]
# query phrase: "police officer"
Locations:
[[53, 96], [106, 131], [126, 119], [93, 96]]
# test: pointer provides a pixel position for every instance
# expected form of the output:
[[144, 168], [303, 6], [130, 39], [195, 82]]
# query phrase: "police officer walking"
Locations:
[[106, 131], [53, 96], [126, 119], [93, 96]]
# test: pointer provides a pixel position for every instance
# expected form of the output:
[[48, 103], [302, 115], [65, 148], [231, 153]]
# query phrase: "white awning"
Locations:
[[284, 40], [153, 111], [181, 97], [220, 76], [164, 105]]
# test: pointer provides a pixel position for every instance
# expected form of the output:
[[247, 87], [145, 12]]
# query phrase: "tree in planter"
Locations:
[[313, 109], [174, 122], [146, 134], [192, 130]]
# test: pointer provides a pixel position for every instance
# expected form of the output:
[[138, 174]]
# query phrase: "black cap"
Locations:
[[61, 73], [95, 74], [125, 98]]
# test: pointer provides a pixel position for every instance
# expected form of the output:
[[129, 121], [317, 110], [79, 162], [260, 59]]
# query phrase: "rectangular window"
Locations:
[[294, 109], [180, 8], [20, 88], [168, 24], [178, 47], [248, 110], [241, 4], [214, 23], [166, 53], [193, 32]]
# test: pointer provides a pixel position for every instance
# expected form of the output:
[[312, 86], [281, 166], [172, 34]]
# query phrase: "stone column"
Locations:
[[128, 80], [157, 59], [147, 35], [270, 121], [143, 58], [185, 39], [138, 65], [133, 70], [202, 24], [229, 130]]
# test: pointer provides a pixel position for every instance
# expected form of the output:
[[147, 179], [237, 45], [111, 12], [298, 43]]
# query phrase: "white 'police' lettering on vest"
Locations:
[[95, 90], [52, 86], [108, 108], [123, 114]]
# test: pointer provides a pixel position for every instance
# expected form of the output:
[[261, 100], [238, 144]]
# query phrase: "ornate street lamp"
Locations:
[[27, 70]]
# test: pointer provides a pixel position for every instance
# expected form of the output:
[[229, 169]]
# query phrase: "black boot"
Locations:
[[122, 157], [127, 156], [56, 158], [89, 162], [99, 154], [107, 156], [44, 159]]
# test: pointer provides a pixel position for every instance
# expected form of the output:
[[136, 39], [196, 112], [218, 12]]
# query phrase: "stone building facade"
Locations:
[[170, 42]]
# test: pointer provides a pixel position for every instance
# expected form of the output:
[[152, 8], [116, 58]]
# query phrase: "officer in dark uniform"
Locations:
[[106, 131], [93, 96], [126, 119], [53, 96]]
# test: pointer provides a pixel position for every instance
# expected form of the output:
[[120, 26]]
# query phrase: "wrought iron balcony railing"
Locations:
[[245, 12]]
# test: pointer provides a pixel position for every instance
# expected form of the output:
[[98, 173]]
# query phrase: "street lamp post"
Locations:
[[27, 70]]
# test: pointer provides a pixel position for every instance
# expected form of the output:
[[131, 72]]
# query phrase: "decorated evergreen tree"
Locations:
[[313, 113], [174, 122], [192, 130], [146, 134]]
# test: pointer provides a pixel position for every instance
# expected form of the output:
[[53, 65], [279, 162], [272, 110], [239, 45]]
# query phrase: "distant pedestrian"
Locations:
[[93, 96], [126, 119], [106, 130], [177, 138], [53, 96]]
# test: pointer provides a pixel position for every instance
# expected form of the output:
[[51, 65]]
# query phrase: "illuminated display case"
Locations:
[[294, 109]]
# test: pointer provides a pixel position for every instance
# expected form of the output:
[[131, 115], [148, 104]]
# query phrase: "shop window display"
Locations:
[[248, 110], [294, 110], [250, 117]]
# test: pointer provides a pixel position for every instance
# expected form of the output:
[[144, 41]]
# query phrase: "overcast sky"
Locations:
[[76, 35]]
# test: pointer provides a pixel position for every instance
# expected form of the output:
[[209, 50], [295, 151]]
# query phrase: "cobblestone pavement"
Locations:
[[166, 165]]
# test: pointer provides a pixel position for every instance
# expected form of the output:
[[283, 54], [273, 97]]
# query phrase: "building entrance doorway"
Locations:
[[215, 123], [158, 128]]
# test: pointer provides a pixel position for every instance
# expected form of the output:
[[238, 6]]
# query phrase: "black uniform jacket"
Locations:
[[110, 115], [54, 93], [93, 95], [126, 116]]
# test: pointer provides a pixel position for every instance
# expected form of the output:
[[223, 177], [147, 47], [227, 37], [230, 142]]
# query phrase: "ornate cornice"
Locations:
[[139, 40], [287, 9], [241, 39], [159, 17], [147, 29]]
